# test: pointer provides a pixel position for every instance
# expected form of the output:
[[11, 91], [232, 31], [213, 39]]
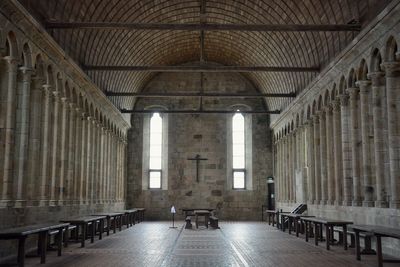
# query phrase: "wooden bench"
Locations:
[[367, 240], [42, 230], [329, 225], [140, 214], [130, 217], [379, 232], [214, 222], [86, 222], [66, 234], [188, 224], [114, 220]]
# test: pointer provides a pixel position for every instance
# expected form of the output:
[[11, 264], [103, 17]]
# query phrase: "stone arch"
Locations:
[[319, 103], [362, 71], [60, 84], [391, 49], [314, 107], [351, 80], [333, 92], [27, 56], [11, 45], [308, 113], [67, 90], [327, 98], [39, 67], [376, 60], [49, 75], [297, 124], [155, 107], [342, 85], [239, 106]]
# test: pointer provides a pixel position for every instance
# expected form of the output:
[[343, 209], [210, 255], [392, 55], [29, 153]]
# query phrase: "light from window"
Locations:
[[238, 151], [155, 151]]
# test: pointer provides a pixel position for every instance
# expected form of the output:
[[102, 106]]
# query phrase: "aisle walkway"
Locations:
[[235, 244]]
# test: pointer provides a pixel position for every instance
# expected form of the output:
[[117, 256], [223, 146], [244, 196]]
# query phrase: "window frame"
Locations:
[[243, 170], [150, 170]]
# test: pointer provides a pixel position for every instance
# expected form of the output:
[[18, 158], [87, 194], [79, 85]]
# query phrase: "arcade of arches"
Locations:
[[316, 84]]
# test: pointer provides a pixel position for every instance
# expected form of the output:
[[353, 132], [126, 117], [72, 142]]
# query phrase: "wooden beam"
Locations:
[[200, 68], [208, 95], [199, 111], [203, 26]]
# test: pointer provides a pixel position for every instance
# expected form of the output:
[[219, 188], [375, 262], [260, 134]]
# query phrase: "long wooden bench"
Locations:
[[367, 240], [379, 232], [114, 220], [66, 234], [42, 230], [86, 222]]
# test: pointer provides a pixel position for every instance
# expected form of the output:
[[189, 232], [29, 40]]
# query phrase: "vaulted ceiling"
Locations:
[[100, 46]]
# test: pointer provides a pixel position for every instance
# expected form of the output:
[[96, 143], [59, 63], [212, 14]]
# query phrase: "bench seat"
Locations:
[[214, 222]]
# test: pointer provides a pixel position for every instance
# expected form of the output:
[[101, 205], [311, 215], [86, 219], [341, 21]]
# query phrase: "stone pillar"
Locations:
[[71, 146], [103, 164], [323, 154], [317, 159], [366, 151], [337, 147], [353, 92], [109, 188], [33, 184], [45, 136], [310, 162], [78, 157], [100, 152], [10, 103], [392, 71], [22, 137], [88, 158], [378, 87], [54, 148], [330, 168], [83, 158], [292, 176], [63, 184], [346, 150]]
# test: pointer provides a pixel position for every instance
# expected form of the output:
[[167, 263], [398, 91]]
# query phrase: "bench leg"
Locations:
[[345, 234], [316, 233], [59, 241], [367, 247], [101, 229], [93, 232], [327, 236], [357, 233], [21, 251], [306, 230], [84, 229], [43, 246], [379, 250]]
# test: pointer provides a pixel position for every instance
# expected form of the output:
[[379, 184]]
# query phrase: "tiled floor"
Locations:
[[235, 244]]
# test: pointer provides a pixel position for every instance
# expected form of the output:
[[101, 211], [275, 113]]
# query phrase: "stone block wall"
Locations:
[[206, 135]]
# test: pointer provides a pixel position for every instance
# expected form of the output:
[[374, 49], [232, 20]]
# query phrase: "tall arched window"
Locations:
[[238, 151], [155, 155]]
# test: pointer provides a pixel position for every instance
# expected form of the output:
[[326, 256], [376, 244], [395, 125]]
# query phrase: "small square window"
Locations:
[[239, 179]]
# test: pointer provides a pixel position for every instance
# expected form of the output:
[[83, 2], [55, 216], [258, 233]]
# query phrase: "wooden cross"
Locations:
[[197, 158]]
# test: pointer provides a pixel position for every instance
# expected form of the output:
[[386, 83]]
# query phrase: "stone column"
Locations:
[[330, 168], [310, 162], [100, 152], [353, 92], [103, 164], [346, 150], [323, 154], [87, 176], [392, 71], [78, 157], [83, 158], [63, 184], [368, 191], [337, 147], [71, 146], [45, 136], [317, 159], [378, 87], [33, 185], [9, 103], [293, 166], [109, 188], [54, 148], [22, 137]]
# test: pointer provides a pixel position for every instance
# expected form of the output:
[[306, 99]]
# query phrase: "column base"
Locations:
[[19, 203], [347, 203], [330, 202], [368, 203], [6, 203], [322, 202], [395, 204], [356, 203], [337, 203], [381, 204], [53, 203]]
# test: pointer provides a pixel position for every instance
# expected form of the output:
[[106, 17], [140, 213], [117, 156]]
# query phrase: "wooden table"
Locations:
[[273, 216], [329, 224], [295, 219], [21, 233], [130, 216], [205, 213], [190, 212], [140, 214], [83, 223], [379, 232], [116, 217]]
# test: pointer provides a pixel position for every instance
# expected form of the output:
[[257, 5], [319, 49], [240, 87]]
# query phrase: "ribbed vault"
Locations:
[[144, 47]]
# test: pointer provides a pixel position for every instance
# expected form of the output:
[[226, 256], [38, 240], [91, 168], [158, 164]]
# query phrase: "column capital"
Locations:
[[336, 105], [12, 61], [376, 78], [364, 86], [89, 118], [308, 123], [392, 68], [64, 100], [72, 106], [47, 89], [344, 99], [315, 118], [26, 70], [353, 92], [328, 109]]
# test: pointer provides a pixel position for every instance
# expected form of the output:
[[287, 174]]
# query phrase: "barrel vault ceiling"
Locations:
[[116, 47]]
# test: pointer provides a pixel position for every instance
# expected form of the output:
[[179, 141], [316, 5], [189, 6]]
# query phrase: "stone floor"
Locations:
[[235, 244]]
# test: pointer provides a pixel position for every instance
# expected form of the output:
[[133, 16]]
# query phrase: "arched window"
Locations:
[[155, 151], [238, 151]]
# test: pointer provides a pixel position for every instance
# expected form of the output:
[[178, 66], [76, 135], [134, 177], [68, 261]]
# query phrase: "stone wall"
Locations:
[[62, 143], [204, 134], [339, 140]]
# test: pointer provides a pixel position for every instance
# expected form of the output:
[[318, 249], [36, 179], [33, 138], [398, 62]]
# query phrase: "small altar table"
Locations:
[[204, 213]]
